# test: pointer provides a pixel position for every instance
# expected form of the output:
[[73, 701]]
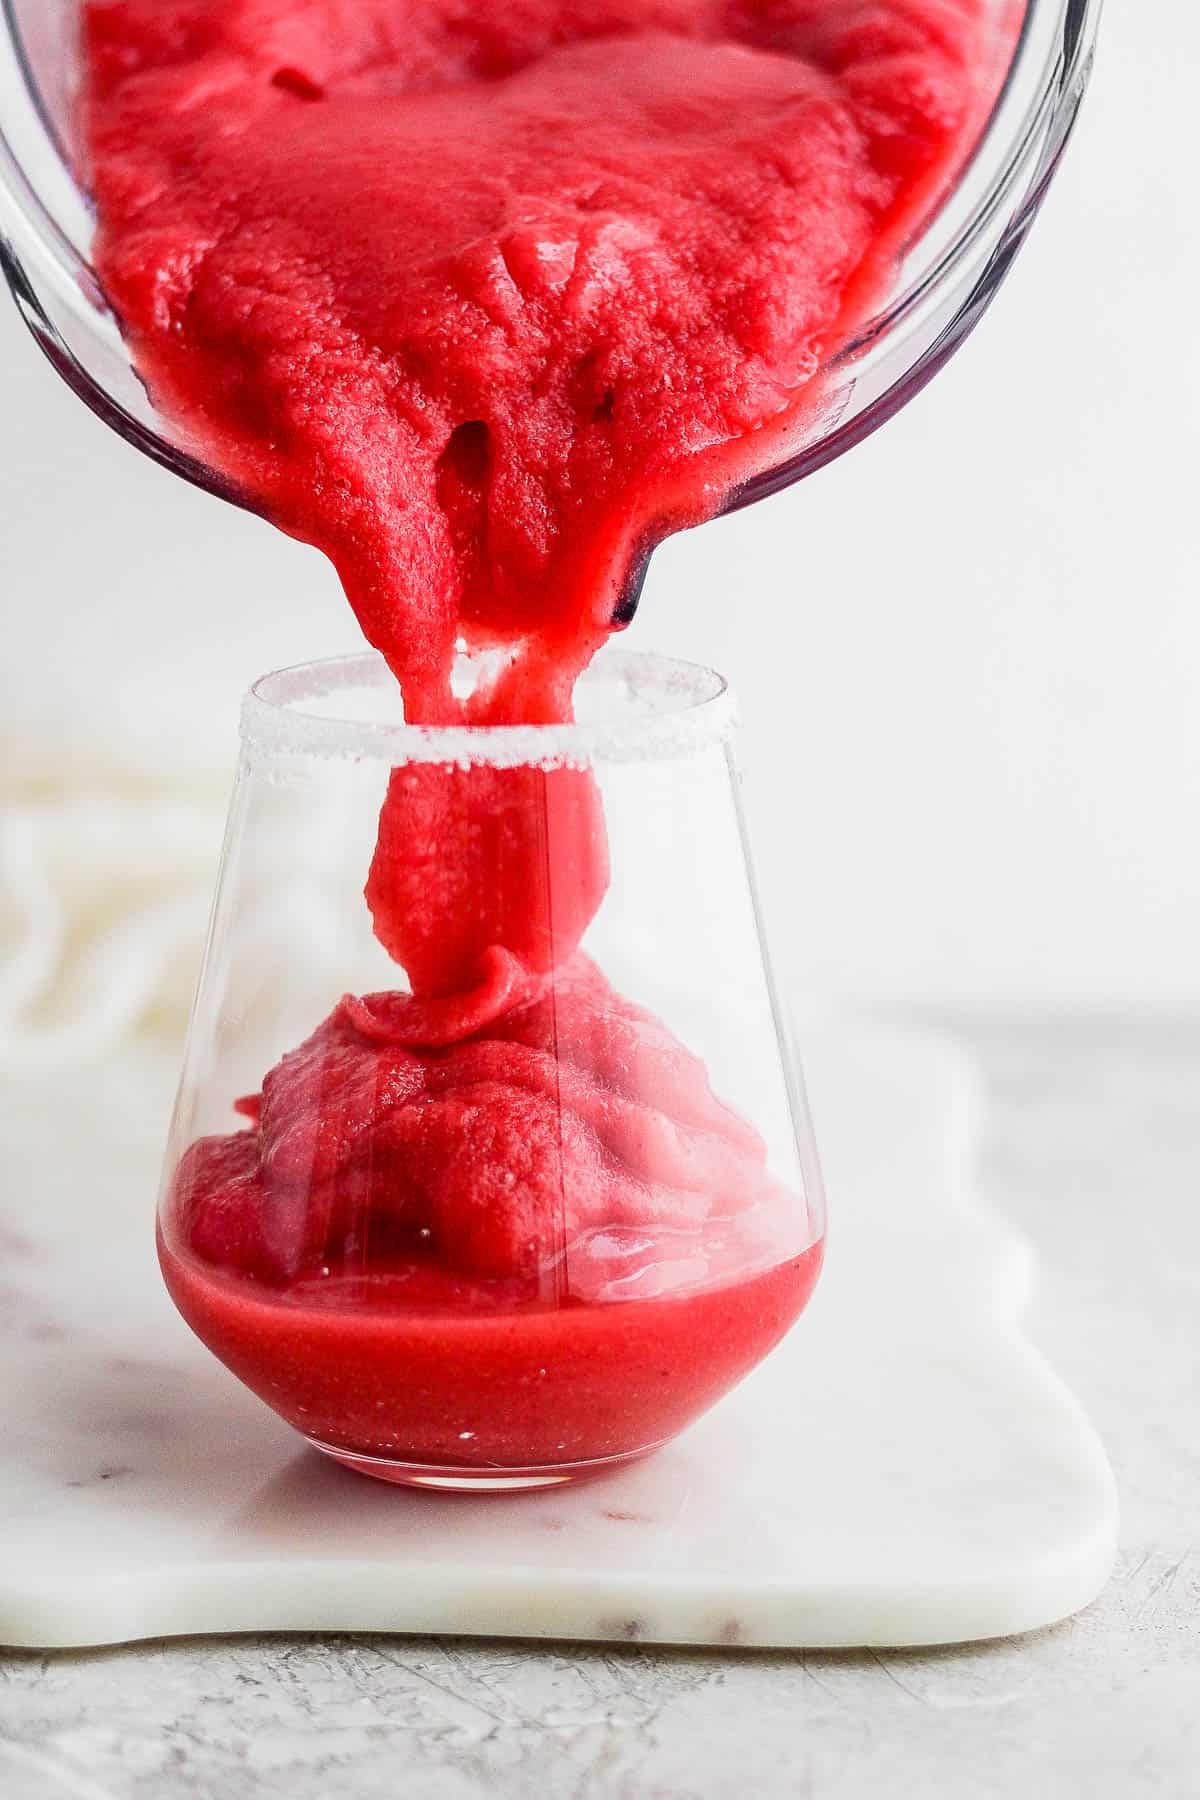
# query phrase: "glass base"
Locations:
[[455, 1479]]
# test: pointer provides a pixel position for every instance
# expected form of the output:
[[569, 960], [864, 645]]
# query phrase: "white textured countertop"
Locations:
[[1094, 1150]]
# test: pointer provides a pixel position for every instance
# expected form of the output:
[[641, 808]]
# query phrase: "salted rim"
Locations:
[[687, 708]]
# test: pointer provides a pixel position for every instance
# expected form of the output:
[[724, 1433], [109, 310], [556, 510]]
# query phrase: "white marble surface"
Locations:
[[906, 1469], [1092, 1147]]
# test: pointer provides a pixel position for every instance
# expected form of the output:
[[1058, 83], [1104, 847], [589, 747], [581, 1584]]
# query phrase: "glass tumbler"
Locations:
[[491, 1166]]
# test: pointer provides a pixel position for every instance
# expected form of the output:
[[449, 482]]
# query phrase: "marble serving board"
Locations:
[[905, 1470]]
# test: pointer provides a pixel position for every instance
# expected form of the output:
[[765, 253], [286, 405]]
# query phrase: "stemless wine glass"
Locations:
[[520, 1233]]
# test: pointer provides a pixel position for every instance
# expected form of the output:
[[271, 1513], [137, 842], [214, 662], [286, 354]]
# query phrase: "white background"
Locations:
[[968, 653]]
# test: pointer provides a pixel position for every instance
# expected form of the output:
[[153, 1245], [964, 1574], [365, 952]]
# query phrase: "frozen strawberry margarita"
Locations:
[[482, 301]]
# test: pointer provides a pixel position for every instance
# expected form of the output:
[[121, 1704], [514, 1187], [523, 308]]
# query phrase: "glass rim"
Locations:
[[671, 708]]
